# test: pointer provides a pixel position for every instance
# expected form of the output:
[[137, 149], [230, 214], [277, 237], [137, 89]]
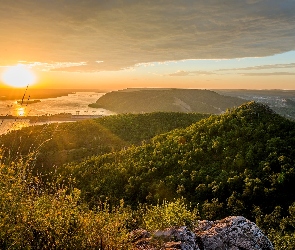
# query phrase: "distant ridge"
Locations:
[[168, 100]]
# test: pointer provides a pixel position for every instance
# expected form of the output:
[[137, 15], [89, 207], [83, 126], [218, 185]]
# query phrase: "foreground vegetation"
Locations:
[[237, 163], [47, 215]]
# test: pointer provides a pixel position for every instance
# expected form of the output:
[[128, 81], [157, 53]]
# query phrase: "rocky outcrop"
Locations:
[[231, 233], [235, 232], [171, 238]]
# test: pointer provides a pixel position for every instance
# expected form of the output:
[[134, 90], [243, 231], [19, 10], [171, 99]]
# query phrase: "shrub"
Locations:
[[35, 215], [169, 214]]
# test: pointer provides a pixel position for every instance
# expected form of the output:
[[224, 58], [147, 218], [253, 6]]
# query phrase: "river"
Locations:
[[75, 103]]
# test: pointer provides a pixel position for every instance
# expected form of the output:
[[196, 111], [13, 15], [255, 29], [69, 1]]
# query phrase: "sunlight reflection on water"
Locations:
[[76, 103], [21, 111]]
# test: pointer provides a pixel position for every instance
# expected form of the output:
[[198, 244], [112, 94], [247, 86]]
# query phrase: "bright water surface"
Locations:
[[72, 103]]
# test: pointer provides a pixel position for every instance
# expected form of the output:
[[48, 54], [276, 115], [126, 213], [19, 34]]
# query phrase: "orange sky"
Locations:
[[117, 44]]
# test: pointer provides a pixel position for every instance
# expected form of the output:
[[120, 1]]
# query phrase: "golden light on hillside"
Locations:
[[18, 76]]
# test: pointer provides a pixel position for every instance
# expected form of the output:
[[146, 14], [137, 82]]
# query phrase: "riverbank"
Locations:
[[51, 118]]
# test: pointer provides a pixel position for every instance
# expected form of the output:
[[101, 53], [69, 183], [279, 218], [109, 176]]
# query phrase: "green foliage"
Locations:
[[136, 128], [282, 242], [238, 163], [213, 210], [243, 158], [279, 228], [56, 144], [169, 214], [37, 215]]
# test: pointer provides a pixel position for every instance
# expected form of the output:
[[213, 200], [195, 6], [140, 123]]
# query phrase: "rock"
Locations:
[[231, 233], [178, 238], [169, 239], [141, 238]]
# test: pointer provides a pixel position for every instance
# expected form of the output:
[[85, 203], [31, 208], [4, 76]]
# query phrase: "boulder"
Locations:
[[169, 239], [231, 233]]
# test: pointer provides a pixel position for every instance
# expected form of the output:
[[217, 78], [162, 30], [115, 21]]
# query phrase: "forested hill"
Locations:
[[237, 163], [61, 143], [175, 100]]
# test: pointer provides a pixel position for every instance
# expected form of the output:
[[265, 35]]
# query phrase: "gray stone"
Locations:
[[231, 233], [178, 238]]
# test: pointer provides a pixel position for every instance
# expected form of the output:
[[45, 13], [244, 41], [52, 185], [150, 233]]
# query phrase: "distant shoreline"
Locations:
[[22, 94], [58, 117]]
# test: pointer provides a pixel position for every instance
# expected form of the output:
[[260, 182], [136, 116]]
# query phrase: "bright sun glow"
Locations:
[[18, 76]]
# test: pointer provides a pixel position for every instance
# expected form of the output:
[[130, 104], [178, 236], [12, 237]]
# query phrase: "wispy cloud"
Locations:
[[56, 66], [127, 33], [269, 74], [263, 67], [180, 73], [191, 73]]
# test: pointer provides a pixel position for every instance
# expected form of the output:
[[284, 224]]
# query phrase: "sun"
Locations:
[[18, 76]]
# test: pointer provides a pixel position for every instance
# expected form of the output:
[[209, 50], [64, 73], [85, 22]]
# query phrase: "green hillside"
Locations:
[[237, 163], [168, 100], [228, 164], [61, 143]]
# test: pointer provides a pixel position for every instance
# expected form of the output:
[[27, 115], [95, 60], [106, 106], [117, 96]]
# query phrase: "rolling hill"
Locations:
[[226, 164], [168, 100]]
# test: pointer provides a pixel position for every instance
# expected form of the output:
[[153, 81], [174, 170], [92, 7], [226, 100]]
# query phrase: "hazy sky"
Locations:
[[145, 43]]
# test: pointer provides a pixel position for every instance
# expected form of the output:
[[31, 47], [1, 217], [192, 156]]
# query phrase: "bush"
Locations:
[[36, 215], [169, 214]]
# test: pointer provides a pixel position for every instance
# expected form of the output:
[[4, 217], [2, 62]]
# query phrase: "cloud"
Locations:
[[253, 1], [180, 73], [191, 73], [58, 66], [75, 67], [264, 67], [125, 33], [270, 74]]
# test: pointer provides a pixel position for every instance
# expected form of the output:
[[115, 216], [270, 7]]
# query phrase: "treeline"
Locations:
[[59, 143]]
